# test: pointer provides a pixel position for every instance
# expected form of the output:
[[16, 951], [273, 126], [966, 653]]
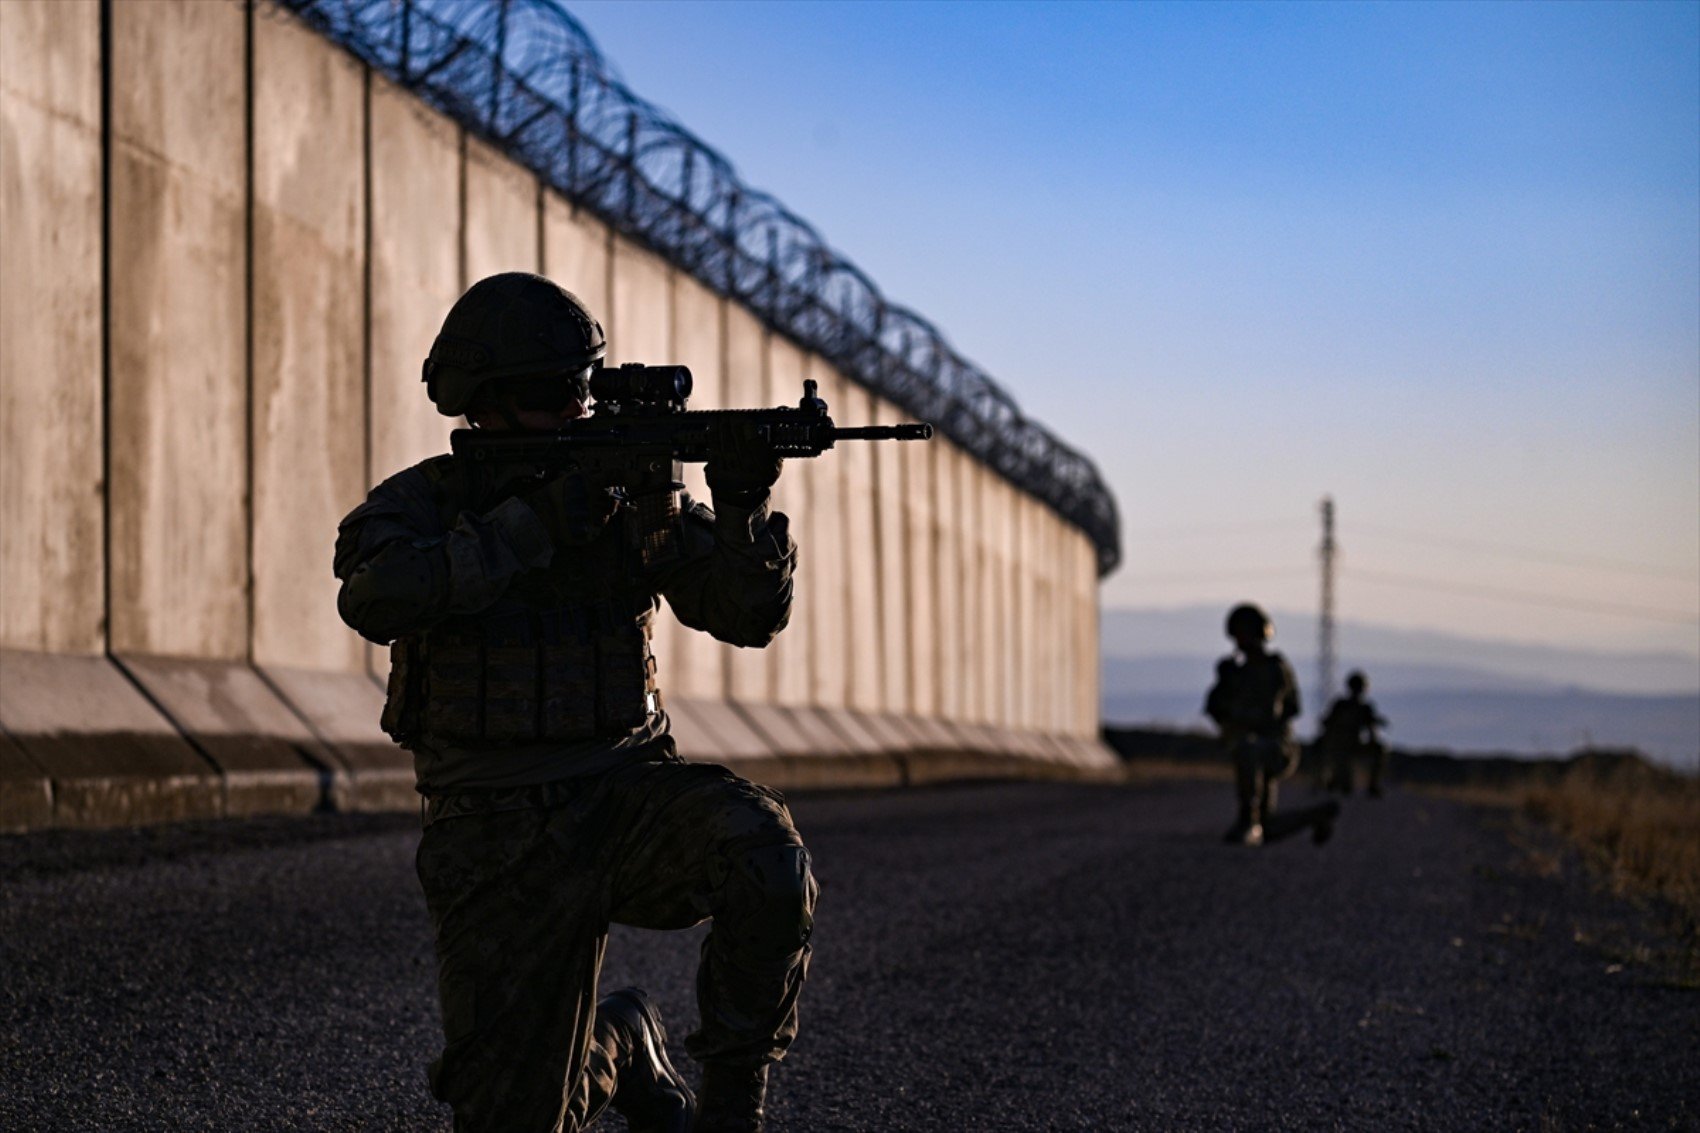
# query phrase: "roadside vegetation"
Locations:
[[1636, 824]]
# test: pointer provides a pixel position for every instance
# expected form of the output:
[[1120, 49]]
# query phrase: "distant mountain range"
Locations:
[[1440, 690]]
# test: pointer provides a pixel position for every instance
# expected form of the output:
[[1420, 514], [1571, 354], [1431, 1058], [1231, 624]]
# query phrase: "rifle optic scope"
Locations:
[[635, 382]]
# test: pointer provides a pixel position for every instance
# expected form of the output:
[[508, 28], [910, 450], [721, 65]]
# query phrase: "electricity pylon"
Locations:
[[1325, 623]]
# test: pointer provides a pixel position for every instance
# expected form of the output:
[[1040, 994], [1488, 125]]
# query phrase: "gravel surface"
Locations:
[[994, 957]]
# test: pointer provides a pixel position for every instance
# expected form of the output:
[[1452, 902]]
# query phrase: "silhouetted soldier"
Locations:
[[555, 803], [1349, 735], [1254, 701]]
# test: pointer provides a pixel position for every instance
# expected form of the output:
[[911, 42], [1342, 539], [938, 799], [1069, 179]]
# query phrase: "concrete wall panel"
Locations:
[[920, 512], [890, 466], [1028, 656], [830, 581], [746, 385], [309, 366], [52, 527], [178, 340], [1048, 659], [948, 536], [413, 278], [969, 550], [997, 637], [639, 320], [865, 691], [414, 272], [502, 228], [1086, 597], [697, 342], [1016, 659], [639, 324], [790, 657], [575, 252]]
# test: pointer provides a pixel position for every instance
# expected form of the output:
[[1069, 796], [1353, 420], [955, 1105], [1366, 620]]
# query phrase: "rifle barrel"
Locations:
[[920, 432]]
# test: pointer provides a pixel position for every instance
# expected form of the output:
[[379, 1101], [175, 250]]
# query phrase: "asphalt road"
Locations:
[[1002, 957]]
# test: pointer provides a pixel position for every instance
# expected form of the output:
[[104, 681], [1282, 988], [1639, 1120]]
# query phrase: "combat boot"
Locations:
[[648, 1092], [1324, 827], [733, 1098]]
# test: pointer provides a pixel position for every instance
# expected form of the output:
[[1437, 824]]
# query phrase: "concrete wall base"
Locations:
[[107, 754], [713, 731], [26, 793], [267, 760], [137, 740], [341, 710]]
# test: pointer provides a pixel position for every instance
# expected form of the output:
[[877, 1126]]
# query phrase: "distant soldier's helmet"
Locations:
[[1249, 619], [1356, 681], [513, 327]]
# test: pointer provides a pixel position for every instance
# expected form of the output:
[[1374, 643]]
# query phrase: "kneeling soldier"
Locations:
[[1349, 733], [1254, 701], [518, 614]]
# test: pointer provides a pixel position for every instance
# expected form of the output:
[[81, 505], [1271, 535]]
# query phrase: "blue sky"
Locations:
[[1439, 260]]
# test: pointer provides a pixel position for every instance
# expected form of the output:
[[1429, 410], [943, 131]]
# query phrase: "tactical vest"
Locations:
[[1257, 695], [564, 655]]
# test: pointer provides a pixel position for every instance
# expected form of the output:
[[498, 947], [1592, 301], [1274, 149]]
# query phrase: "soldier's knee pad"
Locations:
[[775, 899]]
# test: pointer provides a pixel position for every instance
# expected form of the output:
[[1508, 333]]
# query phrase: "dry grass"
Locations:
[[1638, 825]]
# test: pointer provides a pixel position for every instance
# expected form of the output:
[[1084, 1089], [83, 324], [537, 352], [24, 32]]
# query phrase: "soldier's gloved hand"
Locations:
[[742, 465], [572, 510]]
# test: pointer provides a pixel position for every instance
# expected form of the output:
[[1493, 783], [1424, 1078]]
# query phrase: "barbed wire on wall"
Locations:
[[526, 76]]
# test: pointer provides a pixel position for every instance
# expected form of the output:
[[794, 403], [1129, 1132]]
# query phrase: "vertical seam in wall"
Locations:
[[542, 203], [608, 325], [876, 530], [803, 491], [935, 582], [465, 211], [905, 567], [770, 670], [105, 48], [723, 400], [366, 272], [248, 304], [367, 226]]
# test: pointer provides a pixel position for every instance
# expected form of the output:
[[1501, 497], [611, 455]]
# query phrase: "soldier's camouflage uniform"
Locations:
[[1254, 700], [555, 803]]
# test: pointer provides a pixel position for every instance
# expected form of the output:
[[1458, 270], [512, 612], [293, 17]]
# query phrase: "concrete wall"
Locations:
[[218, 287], [52, 461], [177, 331], [308, 399]]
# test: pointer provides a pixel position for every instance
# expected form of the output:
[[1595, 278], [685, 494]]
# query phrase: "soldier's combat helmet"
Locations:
[[1249, 619], [508, 327]]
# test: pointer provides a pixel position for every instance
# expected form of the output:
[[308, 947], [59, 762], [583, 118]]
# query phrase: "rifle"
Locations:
[[642, 434]]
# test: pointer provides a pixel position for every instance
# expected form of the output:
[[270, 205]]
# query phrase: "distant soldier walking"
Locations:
[[1349, 736], [518, 609], [1254, 701]]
